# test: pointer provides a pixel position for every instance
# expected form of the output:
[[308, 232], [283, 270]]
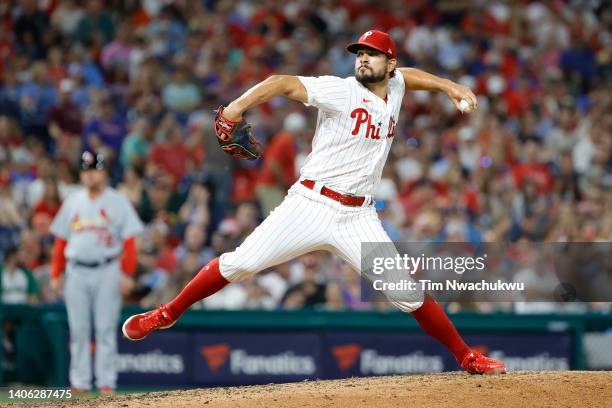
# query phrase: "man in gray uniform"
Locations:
[[95, 232]]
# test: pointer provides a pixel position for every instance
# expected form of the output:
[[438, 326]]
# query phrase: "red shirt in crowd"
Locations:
[[281, 151], [538, 173], [172, 158], [44, 207]]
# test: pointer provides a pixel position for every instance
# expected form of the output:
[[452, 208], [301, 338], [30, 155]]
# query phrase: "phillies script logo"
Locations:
[[215, 355], [363, 118], [346, 355]]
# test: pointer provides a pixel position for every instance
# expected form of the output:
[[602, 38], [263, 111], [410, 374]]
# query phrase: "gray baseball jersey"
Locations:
[[95, 228]]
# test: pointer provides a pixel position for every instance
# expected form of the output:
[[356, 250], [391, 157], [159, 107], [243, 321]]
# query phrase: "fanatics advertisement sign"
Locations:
[[256, 358], [367, 354], [162, 359], [219, 359]]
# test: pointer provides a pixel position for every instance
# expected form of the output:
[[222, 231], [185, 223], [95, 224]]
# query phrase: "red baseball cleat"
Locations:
[[476, 363], [107, 391], [139, 326]]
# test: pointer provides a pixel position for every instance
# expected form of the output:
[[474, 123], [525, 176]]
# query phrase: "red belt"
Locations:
[[351, 201]]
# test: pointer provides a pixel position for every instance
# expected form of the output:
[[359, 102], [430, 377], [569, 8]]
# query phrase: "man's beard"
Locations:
[[369, 77]]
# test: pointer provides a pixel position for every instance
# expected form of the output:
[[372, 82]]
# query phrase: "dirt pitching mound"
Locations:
[[517, 389]]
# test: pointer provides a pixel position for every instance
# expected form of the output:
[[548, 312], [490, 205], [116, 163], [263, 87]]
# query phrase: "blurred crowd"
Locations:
[[138, 80]]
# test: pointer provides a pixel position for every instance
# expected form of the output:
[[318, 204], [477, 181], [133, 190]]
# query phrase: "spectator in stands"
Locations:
[[50, 203], [105, 132], [137, 145], [193, 243], [117, 53], [334, 298], [309, 292], [66, 17], [295, 299], [7, 47], [278, 171], [181, 95], [159, 198], [36, 97], [45, 173], [11, 220], [171, 155], [150, 277], [221, 241], [42, 275], [195, 210], [56, 67], [30, 248], [9, 94], [18, 283], [276, 281], [160, 235], [351, 291], [68, 178], [257, 297], [82, 68], [132, 186], [167, 31], [242, 223], [31, 30], [566, 180], [21, 175], [66, 123], [96, 28], [10, 134]]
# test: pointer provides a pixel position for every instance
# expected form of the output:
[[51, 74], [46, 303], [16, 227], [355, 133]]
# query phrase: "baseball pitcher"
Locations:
[[331, 206]]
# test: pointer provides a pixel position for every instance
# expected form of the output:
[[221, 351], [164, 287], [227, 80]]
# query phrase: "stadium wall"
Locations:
[[213, 348]]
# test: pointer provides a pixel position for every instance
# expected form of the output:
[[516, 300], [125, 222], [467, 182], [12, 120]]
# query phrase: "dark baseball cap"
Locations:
[[376, 39], [92, 161]]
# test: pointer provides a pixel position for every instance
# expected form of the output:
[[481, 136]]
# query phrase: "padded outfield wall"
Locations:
[[211, 348]]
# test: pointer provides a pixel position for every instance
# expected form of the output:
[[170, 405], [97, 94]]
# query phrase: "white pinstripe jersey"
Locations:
[[355, 129]]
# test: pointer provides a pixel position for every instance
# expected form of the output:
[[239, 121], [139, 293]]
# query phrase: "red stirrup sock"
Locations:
[[207, 282], [434, 321]]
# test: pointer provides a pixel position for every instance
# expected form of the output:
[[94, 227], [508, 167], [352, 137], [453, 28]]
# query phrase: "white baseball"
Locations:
[[464, 106]]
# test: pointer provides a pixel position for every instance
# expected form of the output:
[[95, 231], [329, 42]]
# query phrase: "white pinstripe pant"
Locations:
[[307, 221]]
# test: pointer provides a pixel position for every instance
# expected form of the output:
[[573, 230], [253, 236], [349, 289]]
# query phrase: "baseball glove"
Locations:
[[236, 138]]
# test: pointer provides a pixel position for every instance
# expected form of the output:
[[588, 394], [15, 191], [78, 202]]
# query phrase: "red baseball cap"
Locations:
[[379, 40]]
